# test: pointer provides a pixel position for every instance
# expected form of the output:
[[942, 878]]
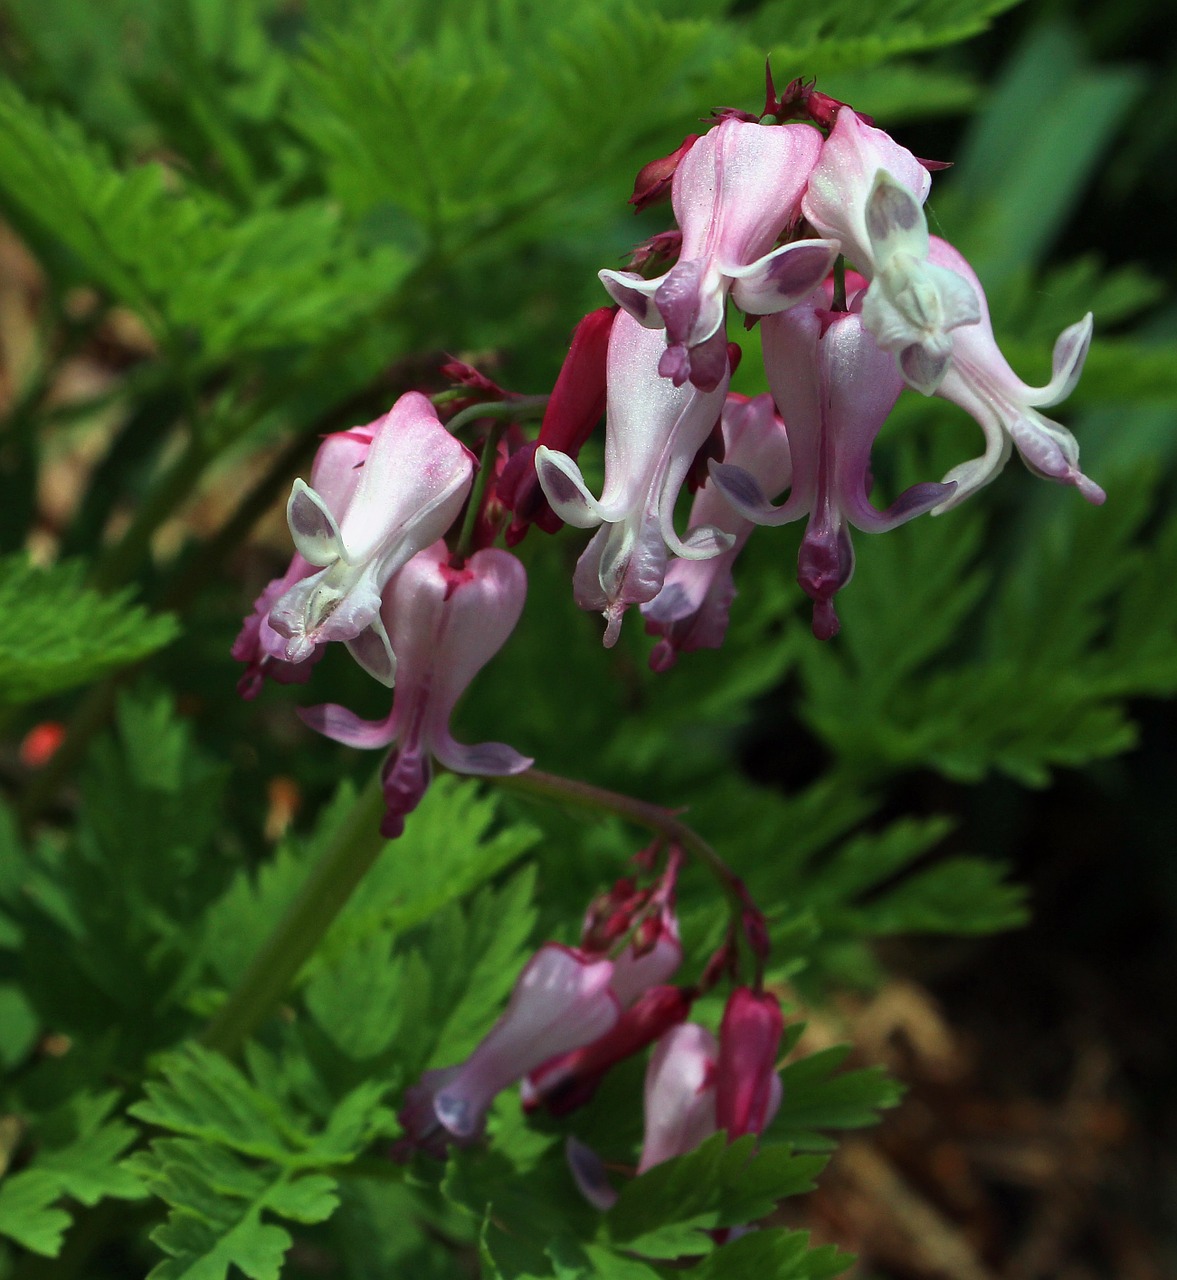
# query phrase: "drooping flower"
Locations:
[[734, 192], [679, 1100], [335, 475], [748, 1089], [444, 625], [980, 380], [653, 431], [576, 405], [834, 388], [561, 1000], [680, 1094], [868, 192], [413, 482], [691, 610], [568, 1081]]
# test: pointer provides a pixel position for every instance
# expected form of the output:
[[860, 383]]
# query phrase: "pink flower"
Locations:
[[653, 431], [568, 1081], [561, 1000], [980, 380], [834, 388], [691, 610], [445, 625], [680, 1094], [868, 191], [413, 482], [335, 475], [748, 1089], [734, 192]]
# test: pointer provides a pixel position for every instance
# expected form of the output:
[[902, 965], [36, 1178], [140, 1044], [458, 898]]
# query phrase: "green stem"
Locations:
[[486, 468], [839, 284], [320, 899], [521, 408]]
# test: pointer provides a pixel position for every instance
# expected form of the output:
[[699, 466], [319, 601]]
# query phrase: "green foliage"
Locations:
[[205, 280], [243, 1153], [56, 633], [303, 200], [103, 925], [77, 1158]]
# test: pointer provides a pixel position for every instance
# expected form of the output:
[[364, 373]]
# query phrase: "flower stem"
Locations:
[[319, 900], [522, 408], [839, 303], [583, 795]]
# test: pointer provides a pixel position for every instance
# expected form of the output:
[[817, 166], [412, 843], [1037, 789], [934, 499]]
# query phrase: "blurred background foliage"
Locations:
[[235, 225]]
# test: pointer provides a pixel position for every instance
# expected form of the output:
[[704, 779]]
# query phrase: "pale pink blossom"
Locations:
[[444, 624], [653, 431], [680, 1094], [734, 192], [691, 610], [414, 479], [980, 380], [560, 1001], [335, 475], [834, 388], [867, 191]]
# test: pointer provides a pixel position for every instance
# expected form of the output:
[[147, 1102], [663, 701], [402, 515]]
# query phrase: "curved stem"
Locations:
[[319, 900], [522, 408], [583, 795]]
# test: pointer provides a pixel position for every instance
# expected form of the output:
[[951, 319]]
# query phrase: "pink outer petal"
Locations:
[[653, 432], [691, 610], [560, 1001], [739, 186], [341, 725], [841, 182], [634, 974], [415, 475], [445, 625], [679, 1094]]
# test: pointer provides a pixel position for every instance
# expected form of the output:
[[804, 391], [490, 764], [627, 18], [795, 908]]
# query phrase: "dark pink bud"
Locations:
[[576, 406], [654, 179], [747, 1086], [657, 253], [562, 1084]]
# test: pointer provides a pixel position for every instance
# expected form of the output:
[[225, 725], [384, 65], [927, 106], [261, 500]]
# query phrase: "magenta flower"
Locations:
[[653, 431], [748, 1089], [834, 388], [561, 1000], [691, 610], [413, 482], [445, 625], [868, 192], [734, 192], [980, 380], [335, 475]]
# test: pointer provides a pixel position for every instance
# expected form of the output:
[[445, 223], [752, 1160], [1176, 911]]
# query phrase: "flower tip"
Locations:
[[825, 620], [612, 615], [1089, 489], [662, 657]]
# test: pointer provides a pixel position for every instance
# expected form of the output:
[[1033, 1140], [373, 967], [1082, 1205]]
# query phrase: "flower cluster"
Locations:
[[372, 569], [576, 1012], [810, 220], [815, 229]]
